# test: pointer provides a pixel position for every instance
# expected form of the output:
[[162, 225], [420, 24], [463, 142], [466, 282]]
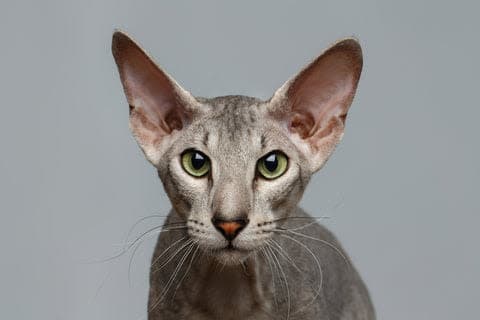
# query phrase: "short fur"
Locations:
[[283, 264]]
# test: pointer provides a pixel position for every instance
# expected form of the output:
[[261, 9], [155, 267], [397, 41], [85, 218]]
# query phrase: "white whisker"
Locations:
[[186, 272], [284, 280], [322, 241], [187, 242], [317, 292], [173, 276]]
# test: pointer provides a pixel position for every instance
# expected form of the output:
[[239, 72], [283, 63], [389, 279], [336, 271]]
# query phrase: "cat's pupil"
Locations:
[[271, 162], [198, 161]]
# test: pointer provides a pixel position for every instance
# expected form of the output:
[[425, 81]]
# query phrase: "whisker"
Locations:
[[124, 250], [177, 223], [187, 243], [331, 209], [317, 292], [222, 266], [160, 231], [262, 250], [130, 231], [301, 227], [154, 262], [282, 252], [244, 268], [301, 218], [130, 263], [135, 251], [284, 280], [177, 269], [186, 272], [173, 276], [338, 251]]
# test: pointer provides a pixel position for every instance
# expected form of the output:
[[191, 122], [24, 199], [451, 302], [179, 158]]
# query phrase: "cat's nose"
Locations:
[[229, 228]]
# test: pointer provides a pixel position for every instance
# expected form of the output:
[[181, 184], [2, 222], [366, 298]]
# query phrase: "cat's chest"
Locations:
[[227, 295]]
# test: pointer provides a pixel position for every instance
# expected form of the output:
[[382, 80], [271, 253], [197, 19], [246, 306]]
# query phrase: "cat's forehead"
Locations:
[[231, 100], [235, 124], [236, 115]]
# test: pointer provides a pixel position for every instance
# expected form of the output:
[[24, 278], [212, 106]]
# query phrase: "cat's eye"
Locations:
[[195, 163], [273, 165]]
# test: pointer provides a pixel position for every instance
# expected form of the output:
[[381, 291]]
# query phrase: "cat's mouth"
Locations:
[[230, 247], [231, 254]]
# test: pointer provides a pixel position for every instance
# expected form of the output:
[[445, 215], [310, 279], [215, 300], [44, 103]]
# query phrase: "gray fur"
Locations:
[[216, 288], [283, 264]]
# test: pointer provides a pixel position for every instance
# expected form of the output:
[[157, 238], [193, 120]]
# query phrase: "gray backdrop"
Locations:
[[402, 189]]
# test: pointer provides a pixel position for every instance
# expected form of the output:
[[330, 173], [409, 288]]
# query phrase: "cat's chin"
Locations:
[[231, 256]]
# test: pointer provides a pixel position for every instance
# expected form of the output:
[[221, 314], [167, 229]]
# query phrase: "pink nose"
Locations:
[[229, 229]]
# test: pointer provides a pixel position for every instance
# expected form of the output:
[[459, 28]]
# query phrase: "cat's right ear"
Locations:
[[158, 105]]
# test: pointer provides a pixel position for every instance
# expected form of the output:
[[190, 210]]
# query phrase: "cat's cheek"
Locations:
[[185, 192], [279, 189], [187, 183]]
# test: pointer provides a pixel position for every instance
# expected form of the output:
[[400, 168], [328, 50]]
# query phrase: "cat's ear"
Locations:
[[158, 105], [314, 104]]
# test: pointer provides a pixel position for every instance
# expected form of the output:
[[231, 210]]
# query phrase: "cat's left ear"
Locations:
[[314, 104]]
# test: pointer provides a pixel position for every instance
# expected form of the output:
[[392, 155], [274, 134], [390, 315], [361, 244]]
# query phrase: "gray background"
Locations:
[[401, 190]]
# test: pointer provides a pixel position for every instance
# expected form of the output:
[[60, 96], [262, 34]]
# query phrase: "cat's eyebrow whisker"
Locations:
[[317, 262]]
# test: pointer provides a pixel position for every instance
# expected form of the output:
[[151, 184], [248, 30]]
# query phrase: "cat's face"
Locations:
[[235, 167], [233, 164]]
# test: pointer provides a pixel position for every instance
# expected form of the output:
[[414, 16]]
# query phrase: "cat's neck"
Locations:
[[228, 284]]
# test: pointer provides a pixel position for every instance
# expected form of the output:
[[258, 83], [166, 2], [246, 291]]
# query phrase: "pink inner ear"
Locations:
[[302, 124], [323, 91], [155, 100], [150, 93]]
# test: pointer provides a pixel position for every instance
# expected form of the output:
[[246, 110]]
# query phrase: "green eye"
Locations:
[[195, 163], [273, 165]]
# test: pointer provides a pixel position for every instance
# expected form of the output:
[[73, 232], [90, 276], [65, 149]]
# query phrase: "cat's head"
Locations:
[[234, 167]]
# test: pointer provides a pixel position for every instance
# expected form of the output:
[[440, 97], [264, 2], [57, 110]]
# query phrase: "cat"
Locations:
[[235, 244]]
